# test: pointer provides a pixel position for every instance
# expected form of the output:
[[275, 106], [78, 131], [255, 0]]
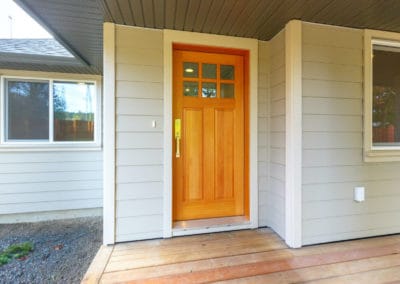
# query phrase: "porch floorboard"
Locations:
[[255, 256]]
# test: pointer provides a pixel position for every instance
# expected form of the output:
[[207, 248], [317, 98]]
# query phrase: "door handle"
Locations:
[[178, 137]]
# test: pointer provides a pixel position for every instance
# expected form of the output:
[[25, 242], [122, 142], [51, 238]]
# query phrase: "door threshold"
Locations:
[[212, 225]]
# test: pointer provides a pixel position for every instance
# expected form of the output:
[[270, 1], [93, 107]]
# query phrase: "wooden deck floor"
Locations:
[[250, 256]]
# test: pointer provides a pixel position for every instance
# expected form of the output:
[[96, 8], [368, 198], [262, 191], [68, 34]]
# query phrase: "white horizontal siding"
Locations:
[[50, 181], [275, 200], [139, 154], [333, 147]]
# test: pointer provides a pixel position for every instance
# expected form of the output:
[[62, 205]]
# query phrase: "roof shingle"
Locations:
[[47, 47]]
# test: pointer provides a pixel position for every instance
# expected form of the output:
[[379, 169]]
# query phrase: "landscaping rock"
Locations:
[[63, 250]]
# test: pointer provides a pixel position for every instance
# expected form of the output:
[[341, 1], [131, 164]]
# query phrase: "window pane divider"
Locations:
[[51, 113]]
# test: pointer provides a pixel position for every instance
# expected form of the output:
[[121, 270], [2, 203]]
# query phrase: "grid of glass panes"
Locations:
[[208, 80]]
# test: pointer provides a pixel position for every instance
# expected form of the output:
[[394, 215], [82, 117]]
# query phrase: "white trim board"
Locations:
[[293, 169], [109, 137], [251, 45], [375, 153]]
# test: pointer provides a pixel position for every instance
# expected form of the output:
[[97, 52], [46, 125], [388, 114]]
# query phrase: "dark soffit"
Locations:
[[78, 23]]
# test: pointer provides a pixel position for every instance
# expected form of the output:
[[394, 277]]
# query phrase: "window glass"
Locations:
[[386, 96], [74, 106], [190, 69], [209, 90], [190, 89], [209, 71], [227, 91], [27, 110], [227, 72]]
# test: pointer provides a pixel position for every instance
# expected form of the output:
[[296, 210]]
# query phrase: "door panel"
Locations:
[[208, 97], [224, 153], [192, 154]]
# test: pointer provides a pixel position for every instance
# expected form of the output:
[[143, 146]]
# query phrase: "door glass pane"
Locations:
[[27, 104], [209, 90], [190, 89], [227, 72], [190, 69], [74, 107], [209, 71], [227, 91]]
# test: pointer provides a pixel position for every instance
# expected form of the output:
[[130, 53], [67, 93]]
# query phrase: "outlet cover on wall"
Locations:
[[359, 194]]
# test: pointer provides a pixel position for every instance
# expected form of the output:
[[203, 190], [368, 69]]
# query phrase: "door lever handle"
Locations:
[[178, 153], [178, 137]]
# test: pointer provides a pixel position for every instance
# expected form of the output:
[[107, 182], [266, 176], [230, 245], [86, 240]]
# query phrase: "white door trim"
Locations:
[[251, 45], [109, 131], [293, 172]]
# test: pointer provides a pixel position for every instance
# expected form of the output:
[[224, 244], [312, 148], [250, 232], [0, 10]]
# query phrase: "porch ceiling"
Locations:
[[78, 24]]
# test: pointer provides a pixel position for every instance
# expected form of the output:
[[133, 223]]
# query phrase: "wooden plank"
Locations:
[[201, 244], [187, 240], [377, 276], [96, 268], [189, 254], [328, 273], [206, 258], [266, 267]]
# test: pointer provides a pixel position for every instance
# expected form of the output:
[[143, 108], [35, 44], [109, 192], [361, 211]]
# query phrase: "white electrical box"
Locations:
[[359, 194]]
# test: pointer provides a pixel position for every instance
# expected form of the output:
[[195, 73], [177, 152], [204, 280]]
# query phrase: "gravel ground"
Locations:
[[62, 252]]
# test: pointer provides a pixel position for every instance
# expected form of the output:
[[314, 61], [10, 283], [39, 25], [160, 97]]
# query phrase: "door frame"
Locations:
[[190, 38]]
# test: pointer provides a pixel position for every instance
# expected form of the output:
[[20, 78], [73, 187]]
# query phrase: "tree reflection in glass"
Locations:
[[27, 105], [74, 105]]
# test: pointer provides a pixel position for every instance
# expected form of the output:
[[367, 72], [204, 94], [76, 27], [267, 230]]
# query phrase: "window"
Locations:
[[49, 111], [382, 96]]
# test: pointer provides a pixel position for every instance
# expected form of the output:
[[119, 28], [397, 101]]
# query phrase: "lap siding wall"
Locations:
[[139, 146], [333, 144]]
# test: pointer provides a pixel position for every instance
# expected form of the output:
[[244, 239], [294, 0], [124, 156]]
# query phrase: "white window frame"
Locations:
[[375, 153], [32, 145]]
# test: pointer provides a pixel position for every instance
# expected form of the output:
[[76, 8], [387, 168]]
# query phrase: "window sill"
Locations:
[[382, 154], [67, 147]]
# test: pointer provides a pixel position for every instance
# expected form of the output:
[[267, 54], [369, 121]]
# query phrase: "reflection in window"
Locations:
[[386, 96], [190, 89], [74, 107], [27, 105], [227, 72], [227, 91], [190, 69], [209, 90], [209, 71]]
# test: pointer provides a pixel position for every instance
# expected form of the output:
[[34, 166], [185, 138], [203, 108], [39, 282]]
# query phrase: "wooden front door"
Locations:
[[209, 135]]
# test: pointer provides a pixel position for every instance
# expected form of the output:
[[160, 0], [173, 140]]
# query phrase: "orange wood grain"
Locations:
[[209, 177]]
